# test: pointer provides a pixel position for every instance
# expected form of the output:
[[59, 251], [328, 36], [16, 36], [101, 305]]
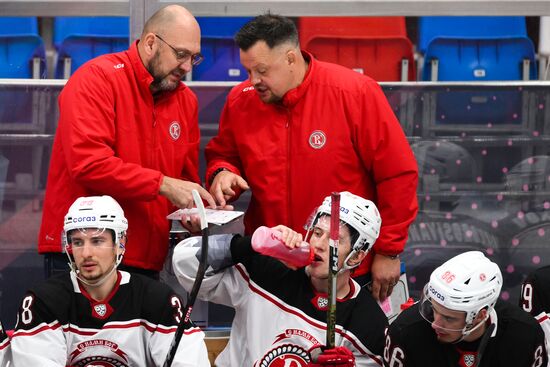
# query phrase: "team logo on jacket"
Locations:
[[175, 130], [98, 353], [317, 139], [286, 355]]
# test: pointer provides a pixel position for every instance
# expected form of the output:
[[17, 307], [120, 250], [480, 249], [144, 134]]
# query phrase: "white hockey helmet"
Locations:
[[360, 214], [102, 212], [468, 282]]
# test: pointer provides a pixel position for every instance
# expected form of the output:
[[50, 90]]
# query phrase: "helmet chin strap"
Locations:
[[465, 332], [101, 280], [105, 276]]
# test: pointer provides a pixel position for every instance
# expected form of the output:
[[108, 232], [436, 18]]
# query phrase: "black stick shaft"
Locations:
[[333, 268], [196, 285]]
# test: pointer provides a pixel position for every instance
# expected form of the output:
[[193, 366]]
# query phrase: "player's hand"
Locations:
[[291, 239], [337, 357], [224, 185], [179, 192], [192, 223], [385, 275]]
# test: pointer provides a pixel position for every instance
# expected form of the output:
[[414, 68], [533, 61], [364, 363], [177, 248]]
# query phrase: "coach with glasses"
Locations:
[[128, 128]]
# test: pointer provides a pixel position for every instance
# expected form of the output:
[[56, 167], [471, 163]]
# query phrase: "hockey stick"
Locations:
[[196, 285], [483, 343], [333, 268]]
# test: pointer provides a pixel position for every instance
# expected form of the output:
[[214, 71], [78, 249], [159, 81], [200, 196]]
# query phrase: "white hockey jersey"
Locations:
[[279, 317], [59, 324], [5, 350]]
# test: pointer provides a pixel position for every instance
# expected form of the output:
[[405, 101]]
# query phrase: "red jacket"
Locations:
[[334, 132], [114, 138]]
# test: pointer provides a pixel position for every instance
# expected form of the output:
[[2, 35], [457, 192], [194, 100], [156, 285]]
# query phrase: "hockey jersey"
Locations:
[[535, 298], [5, 351], [516, 341], [59, 324], [279, 317]]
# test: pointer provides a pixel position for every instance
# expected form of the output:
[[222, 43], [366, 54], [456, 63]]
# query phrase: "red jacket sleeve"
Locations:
[[385, 152]]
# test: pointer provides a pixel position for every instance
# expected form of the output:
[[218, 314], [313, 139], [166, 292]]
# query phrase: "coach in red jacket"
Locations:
[[298, 129], [128, 128]]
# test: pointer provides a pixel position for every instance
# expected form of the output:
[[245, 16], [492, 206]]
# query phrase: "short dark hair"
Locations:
[[270, 28]]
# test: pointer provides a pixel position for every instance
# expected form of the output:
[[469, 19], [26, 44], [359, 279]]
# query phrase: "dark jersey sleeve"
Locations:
[[535, 292], [394, 350], [520, 340], [33, 312]]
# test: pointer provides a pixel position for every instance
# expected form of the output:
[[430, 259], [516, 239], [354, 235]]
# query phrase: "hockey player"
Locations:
[[5, 351], [281, 312], [535, 298], [459, 322], [96, 315]]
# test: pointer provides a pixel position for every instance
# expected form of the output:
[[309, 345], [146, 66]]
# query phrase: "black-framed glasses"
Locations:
[[184, 55]]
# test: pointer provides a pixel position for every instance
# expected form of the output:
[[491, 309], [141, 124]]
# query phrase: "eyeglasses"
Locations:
[[184, 55]]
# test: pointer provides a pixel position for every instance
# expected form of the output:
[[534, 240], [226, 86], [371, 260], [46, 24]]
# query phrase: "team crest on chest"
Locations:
[[317, 139], [101, 310], [286, 355], [320, 302], [469, 360], [175, 130]]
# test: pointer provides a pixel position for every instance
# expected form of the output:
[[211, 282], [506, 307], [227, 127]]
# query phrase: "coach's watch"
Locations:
[[213, 175], [393, 257]]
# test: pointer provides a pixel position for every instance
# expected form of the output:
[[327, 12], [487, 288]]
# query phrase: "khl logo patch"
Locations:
[[100, 309], [469, 359]]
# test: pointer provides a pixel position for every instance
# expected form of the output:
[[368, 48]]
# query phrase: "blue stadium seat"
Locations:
[[19, 45], [477, 49], [80, 39], [468, 27], [21, 56], [221, 54]]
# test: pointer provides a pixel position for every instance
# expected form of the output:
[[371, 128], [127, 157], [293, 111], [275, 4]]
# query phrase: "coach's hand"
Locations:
[[385, 275], [179, 192], [224, 187]]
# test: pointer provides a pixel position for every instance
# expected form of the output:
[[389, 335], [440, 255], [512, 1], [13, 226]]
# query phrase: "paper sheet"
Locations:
[[218, 217]]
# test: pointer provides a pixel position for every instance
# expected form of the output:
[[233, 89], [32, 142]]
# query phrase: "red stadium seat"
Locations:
[[374, 46]]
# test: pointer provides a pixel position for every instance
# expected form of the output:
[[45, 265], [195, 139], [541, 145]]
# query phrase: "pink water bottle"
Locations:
[[268, 242]]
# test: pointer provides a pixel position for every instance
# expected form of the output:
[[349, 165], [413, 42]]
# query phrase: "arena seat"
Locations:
[[22, 55], [375, 46], [221, 54], [79, 39], [21, 48], [476, 48]]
